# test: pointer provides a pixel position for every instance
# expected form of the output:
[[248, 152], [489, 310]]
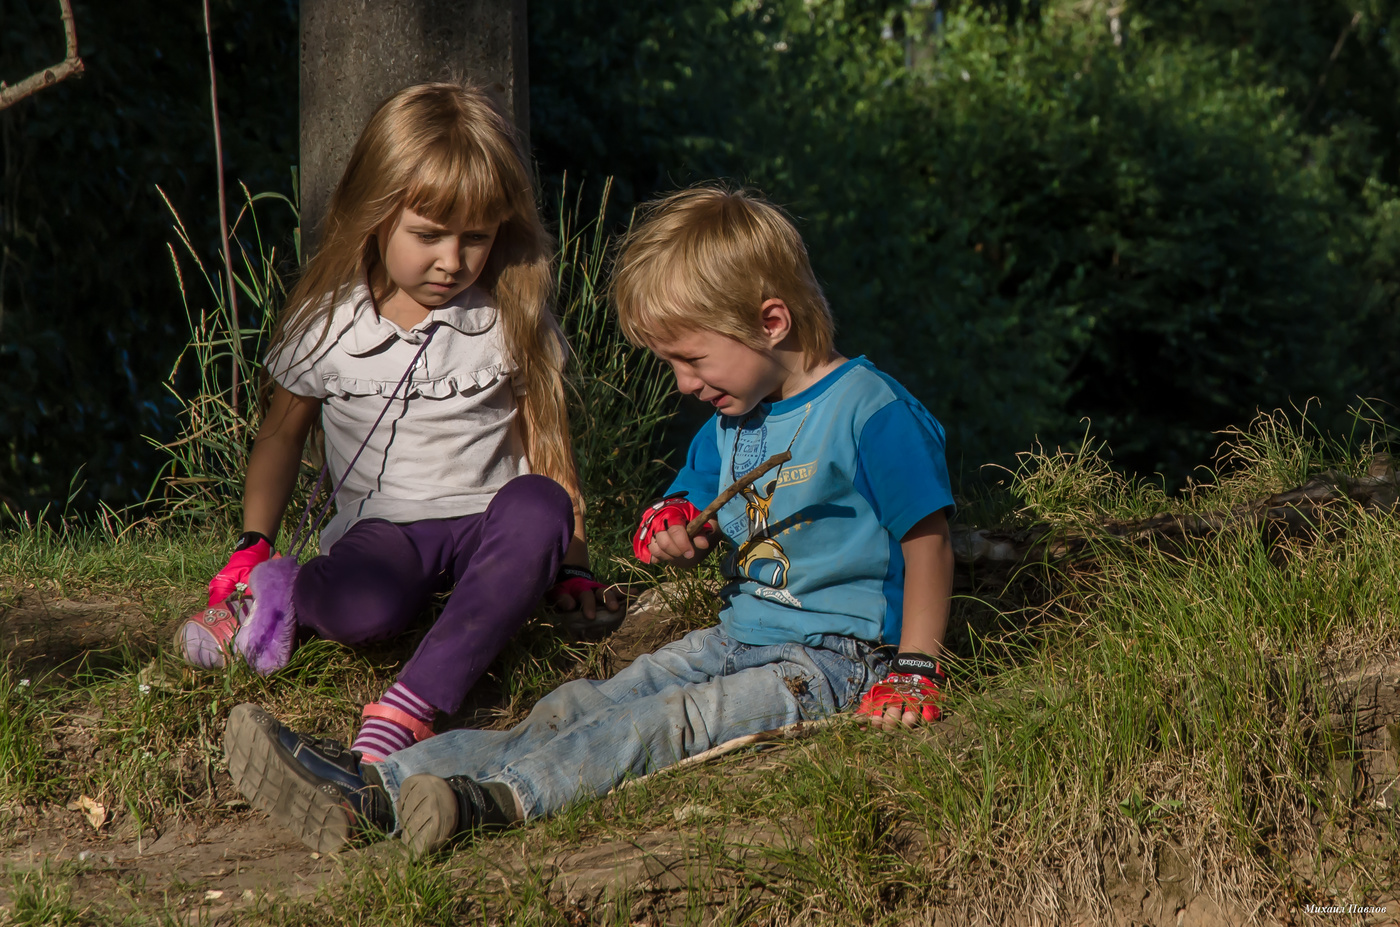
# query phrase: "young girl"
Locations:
[[421, 333]]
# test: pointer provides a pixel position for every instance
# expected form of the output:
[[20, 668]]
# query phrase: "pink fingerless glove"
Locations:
[[658, 517], [572, 581], [236, 571]]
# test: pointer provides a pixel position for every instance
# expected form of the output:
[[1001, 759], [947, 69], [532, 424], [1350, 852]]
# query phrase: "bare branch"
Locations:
[[792, 731], [68, 67], [1327, 68], [1299, 512], [235, 331]]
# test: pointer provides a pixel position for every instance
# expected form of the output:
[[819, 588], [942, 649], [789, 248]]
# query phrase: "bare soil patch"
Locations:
[[44, 632]]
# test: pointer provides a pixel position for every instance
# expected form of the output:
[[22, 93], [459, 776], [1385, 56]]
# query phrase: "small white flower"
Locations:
[[23, 683], [143, 688]]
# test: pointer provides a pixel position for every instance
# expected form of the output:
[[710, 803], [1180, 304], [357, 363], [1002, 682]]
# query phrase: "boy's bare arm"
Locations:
[[928, 590], [928, 585]]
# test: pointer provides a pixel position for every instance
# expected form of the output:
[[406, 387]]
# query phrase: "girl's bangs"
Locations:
[[448, 186]]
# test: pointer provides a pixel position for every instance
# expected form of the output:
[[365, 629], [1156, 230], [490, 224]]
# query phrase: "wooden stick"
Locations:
[[698, 522], [68, 67], [787, 732]]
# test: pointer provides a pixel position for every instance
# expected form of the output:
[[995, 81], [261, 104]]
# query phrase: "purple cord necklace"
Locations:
[[299, 540]]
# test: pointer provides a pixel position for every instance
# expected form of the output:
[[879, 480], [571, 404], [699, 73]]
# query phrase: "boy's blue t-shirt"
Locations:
[[816, 542]]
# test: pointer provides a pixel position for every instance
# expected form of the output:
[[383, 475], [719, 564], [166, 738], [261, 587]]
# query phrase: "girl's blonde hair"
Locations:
[[707, 258], [448, 151]]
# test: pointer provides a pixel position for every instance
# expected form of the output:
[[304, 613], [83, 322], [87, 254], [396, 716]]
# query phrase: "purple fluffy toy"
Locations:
[[268, 629]]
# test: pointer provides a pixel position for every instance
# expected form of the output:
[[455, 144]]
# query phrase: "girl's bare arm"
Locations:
[[276, 457]]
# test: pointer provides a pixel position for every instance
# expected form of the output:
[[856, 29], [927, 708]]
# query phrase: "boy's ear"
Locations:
[[775, 320]]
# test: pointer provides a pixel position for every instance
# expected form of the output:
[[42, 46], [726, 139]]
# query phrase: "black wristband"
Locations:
[[917, 664], [567, 572], [248, 538]]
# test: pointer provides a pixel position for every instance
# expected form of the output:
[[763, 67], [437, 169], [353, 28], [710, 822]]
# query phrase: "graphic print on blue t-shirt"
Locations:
[[816, 541], [750, 448], [761, 558]]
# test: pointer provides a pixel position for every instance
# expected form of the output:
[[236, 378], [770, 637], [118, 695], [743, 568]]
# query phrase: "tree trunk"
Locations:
[[355, 53]]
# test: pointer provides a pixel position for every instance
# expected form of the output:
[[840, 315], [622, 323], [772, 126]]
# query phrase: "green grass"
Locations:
[[24, 769], [392, 892], [44, 898]]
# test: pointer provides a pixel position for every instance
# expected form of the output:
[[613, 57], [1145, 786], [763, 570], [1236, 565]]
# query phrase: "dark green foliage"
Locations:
[[90, 315], [1025, 221], [1161, 217]]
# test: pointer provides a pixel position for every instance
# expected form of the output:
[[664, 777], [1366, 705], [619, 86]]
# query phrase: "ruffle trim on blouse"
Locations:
[[439, 388]]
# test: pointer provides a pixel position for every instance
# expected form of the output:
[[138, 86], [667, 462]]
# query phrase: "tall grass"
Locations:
[[1079, 487], [1185, 691], [203, 475], [621, 396]]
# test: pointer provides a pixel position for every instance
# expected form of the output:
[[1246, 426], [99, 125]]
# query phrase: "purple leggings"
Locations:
[[377, 578]]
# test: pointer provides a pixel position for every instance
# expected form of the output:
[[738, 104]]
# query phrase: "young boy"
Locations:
[[840, 556]]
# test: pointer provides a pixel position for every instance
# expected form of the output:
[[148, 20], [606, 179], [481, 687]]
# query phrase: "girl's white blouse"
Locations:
[[450, 439]]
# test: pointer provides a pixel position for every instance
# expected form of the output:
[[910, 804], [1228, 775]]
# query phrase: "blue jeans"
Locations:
[[695, 693]]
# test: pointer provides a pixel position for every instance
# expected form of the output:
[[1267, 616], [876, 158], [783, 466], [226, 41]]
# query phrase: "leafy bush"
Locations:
[[1046, 228], [1023, 220]]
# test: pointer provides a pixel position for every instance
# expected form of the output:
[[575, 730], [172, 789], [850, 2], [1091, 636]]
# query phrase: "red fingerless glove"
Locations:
[[658, 517], [571, 582], [235, 572], [912, 685]]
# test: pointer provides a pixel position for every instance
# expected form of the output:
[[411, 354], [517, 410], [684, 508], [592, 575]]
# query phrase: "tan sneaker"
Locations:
[[433, 810]]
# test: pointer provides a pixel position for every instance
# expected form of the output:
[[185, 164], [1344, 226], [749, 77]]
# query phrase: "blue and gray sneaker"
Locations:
[[313, 786]]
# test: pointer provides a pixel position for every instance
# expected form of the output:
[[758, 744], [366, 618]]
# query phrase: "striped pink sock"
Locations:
[[380, 737]]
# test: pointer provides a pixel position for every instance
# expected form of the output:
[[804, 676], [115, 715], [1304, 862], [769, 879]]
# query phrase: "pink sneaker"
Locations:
[[207, 639], [258, 625]]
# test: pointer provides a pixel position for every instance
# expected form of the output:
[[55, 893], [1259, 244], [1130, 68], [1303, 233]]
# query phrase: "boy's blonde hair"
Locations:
[[707, 258], [449, 151]]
